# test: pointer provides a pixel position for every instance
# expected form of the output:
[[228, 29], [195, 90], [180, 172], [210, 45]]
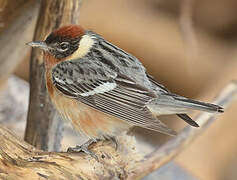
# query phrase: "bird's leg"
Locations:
[[115, 141], [84, 148]]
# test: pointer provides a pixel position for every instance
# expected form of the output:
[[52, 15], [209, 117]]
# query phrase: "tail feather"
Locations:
[[188, 120], [172, 104], [197, 105], [168, 103]]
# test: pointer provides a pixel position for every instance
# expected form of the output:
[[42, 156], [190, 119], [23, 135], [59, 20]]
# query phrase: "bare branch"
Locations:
[[43, 125], [25, 162], [187, 31], [186, 15]]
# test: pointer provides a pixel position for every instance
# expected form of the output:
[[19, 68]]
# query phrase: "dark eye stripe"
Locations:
[[60, 50]]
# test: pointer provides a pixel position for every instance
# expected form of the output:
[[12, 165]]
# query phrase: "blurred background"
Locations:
[[189, 46]]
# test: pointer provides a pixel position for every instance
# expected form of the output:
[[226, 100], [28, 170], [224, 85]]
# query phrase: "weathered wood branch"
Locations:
[[43, 125], [26, 162], [12, 38], [22, 161]]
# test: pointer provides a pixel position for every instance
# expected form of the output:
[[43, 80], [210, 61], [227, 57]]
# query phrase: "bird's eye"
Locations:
[[64, 46]]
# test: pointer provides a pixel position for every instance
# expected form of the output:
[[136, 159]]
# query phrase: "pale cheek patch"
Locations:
[[84, 47], [100, 89]]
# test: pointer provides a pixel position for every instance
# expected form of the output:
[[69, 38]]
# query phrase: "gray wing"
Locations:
[[108, 91]]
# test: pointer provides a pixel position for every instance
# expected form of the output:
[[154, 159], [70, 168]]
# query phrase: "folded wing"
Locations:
[[98, 86]]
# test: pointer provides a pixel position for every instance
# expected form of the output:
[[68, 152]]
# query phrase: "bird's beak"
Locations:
[[38, 44]]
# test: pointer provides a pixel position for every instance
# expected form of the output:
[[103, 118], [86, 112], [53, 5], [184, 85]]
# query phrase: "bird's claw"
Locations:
[[84, 148]]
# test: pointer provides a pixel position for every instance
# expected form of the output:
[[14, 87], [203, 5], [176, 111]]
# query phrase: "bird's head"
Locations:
[[66, 41]]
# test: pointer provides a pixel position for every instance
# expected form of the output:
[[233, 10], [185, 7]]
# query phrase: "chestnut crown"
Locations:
[[62, 42]]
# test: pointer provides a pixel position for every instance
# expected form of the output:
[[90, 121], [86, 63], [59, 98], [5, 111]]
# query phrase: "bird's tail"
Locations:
[[197, 105], [173, 104]]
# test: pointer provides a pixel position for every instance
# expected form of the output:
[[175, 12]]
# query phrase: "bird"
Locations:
[[103, 90]]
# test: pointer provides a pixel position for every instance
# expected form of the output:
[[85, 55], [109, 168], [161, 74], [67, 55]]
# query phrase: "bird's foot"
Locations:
[[84, 148]]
